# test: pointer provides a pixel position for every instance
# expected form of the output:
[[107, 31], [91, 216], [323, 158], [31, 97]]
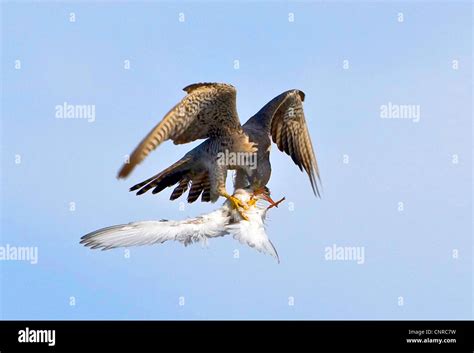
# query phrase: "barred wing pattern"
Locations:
[[208, 110], [283, 117]]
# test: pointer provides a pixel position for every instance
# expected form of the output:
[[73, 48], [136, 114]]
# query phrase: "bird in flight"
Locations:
[[209, 112], [224, 221]]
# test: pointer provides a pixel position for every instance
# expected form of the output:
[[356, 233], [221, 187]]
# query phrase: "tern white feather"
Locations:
[[224, 221]]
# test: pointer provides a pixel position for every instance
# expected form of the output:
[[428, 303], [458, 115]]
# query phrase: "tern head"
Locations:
[[250, 194]]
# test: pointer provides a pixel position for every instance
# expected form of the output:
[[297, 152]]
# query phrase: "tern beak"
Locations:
[[270, 200], [261, 191]]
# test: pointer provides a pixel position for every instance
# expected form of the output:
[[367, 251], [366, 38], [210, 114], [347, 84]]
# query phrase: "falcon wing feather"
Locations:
[[283, 118], [208, 110]]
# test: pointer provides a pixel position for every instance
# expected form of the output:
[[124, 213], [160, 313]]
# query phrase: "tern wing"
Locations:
[[208, 110], [252, 232], [154, 232], [283, 118]]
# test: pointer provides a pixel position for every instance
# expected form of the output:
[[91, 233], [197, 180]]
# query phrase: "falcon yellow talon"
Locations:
[[243, 215], [236, 203], [252, 202]]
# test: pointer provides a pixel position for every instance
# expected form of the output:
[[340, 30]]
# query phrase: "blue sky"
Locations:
[[408, 253]]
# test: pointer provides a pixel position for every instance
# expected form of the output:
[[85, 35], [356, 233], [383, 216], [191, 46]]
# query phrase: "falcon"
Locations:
[[209, 112]]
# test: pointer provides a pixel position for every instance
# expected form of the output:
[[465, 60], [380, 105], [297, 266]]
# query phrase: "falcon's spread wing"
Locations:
[[208, 110], [283, 118]]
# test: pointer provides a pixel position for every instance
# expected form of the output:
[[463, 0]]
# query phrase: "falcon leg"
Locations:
[[237, 205], [217, 177]]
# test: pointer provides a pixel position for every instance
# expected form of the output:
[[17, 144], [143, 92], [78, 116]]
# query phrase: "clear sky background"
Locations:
[[408, 253]]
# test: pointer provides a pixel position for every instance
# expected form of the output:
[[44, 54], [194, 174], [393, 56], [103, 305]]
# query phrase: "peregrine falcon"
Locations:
[[209, 112]]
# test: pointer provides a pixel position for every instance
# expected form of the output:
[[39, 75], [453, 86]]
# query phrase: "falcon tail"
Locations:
[[182, 173]]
